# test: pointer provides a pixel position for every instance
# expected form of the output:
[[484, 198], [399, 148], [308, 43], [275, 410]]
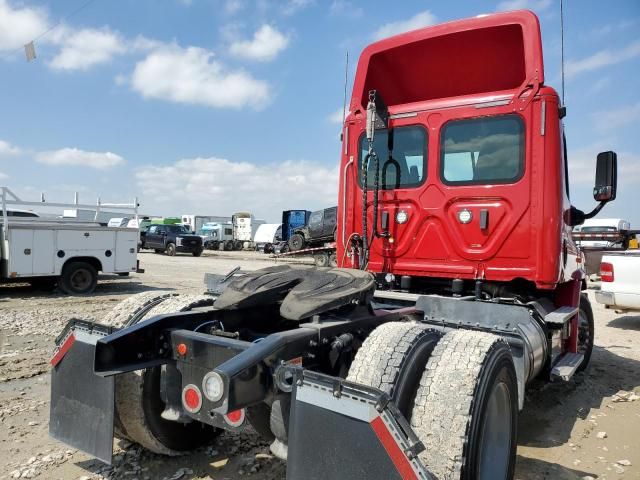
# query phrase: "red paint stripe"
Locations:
[[397, 456], [62, 351]]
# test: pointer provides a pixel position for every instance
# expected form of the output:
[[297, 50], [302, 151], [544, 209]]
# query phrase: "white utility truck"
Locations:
[[69, 254], [620, 288]]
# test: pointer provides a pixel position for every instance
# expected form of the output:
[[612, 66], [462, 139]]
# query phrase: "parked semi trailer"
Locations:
[[459, 284], [244, 228], [49, 252]]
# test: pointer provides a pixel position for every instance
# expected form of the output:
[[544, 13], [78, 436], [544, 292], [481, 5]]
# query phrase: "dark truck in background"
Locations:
[[320, 228], [171, 239]]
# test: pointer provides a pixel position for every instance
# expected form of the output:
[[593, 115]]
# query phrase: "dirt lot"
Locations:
[[558, 432]]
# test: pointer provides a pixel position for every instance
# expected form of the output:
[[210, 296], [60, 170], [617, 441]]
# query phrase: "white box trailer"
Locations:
[[67, 253]]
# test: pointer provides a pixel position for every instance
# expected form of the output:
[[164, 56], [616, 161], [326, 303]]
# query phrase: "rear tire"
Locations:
[[586, 331], [321, 259], [139, 404], [228, 246], [78, 278], [466, 408], [333, 260], [392, 359], [296, 242], [171, 249]]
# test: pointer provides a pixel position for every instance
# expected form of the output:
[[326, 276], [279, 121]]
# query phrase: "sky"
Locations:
[[216, 106]]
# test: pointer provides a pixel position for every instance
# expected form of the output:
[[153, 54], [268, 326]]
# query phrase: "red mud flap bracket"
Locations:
[[346, 431]]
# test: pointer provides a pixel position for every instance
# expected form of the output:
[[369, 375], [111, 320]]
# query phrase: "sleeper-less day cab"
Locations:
[[460, 283]]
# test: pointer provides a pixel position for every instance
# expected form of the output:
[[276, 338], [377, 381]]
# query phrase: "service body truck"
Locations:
[[67, 253]]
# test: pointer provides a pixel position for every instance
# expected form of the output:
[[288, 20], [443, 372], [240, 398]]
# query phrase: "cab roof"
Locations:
[[494, 53]]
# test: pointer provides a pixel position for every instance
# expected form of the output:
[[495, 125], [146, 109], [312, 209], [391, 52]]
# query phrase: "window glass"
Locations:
[[483, 150], [153, 229], [315, 218], [408, 166], [228, 231]]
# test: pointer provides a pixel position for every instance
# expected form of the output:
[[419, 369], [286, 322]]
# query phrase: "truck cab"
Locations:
[[172, 239], [466, 172]]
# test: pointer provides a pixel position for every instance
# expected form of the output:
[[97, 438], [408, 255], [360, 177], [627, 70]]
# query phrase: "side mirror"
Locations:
[[606, 177]]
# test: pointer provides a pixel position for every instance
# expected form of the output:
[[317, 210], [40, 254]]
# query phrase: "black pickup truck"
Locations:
[[171, 239], [320, 228]]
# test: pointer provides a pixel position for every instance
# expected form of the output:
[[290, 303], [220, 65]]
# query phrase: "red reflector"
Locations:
[[62, 351], [235, 418], [182, 349], [606, 272], [191, 398]]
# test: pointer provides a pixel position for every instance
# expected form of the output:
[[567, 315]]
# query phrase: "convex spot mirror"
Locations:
[[606, 177]]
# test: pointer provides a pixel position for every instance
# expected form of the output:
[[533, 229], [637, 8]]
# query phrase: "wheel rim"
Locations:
[[584, 334], [170, 249], [81, 279], [495, 443]]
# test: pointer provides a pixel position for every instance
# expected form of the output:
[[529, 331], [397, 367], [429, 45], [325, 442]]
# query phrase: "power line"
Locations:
[[53, 27]]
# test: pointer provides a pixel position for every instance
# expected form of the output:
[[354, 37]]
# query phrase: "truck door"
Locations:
[[152, 236], [315, 224], [329, 223]]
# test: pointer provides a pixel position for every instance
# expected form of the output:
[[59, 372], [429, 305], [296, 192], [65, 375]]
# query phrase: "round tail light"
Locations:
[[191, 398], [235, 418]]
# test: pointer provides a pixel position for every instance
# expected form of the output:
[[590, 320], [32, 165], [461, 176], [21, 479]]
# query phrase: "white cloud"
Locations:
[[86, 48], [524, 4], [419, 20], [3, 176], [293, 6], [80, 158], [233, 6], [20, 25], [617, 118], [601, 59], [7, 149], [265, 45], [336, 117], [582, 166], [345, 8], [191, 76], [265, 190]]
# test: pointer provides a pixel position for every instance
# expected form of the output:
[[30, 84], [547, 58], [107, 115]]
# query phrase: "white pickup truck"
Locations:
[[69, 254], [620, 289]]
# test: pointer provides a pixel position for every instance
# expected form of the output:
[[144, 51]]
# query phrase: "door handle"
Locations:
[[484, 219]]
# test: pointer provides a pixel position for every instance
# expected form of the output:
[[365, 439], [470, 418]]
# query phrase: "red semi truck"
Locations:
[[459, 284]]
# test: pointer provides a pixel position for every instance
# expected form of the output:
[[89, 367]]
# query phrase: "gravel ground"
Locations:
[[585, 429]]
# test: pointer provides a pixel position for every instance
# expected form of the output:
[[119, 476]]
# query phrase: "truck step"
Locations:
[[567, 366], [558, 318]]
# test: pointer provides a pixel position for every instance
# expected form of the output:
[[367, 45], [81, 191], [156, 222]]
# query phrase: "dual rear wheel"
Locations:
[[464, 407]]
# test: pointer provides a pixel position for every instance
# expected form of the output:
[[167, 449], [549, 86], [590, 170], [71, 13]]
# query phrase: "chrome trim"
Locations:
[[345, 139], [344, 201], [543, 117], [403, 115], [496, 103]]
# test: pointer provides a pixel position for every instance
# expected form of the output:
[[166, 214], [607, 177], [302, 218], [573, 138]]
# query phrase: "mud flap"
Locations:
[[82, 403], [343, 430]]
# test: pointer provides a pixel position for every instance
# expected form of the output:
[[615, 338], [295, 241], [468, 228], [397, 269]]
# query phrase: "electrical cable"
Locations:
[[50, 29]]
